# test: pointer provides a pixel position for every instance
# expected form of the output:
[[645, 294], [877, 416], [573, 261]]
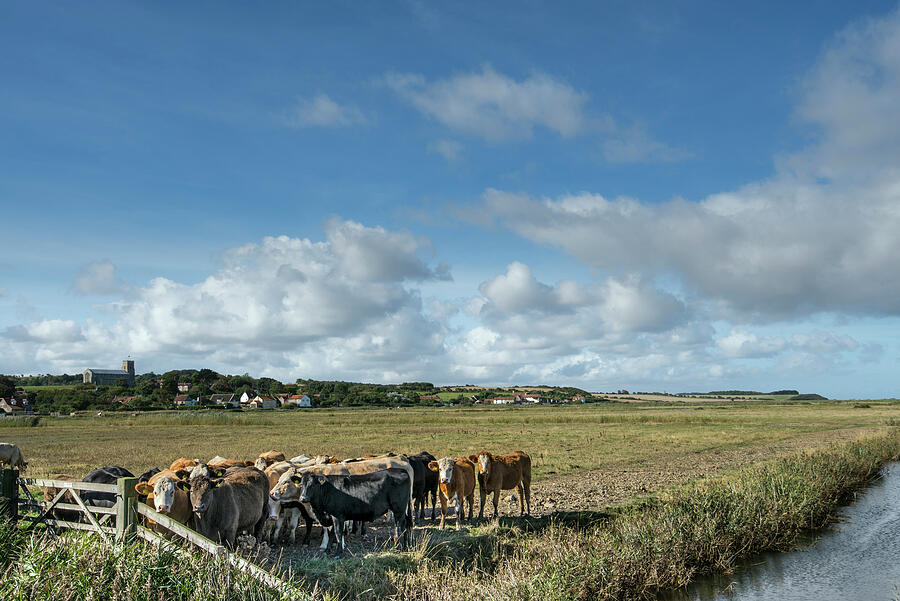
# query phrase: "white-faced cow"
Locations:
[[457, 485], [289, 511], [167, 496], [503, 472]]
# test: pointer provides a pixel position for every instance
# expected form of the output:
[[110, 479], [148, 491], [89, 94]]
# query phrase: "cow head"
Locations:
[[202, 493], [163, 494], [483, 462], [444, 469], [274, 508], [261, 464], [286, 488], [310, 486]]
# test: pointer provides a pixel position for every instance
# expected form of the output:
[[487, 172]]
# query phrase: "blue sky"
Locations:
[[618, 195]]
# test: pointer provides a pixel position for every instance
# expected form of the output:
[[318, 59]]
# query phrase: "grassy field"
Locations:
[[633, 552], [560, 439]]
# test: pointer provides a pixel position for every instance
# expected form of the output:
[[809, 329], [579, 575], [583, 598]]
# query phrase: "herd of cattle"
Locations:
[[267, 497]]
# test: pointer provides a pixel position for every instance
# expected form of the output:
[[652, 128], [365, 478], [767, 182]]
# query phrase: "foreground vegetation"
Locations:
[[633, 553]]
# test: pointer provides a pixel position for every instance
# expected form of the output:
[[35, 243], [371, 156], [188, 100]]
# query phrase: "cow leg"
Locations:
[[443, 509], [520, 490], [434, 496], [229, 536], [527, 488], [324, 545], [292, 524], [273, 530], [260, 526], [483, 498], [339, 535], [495, 501], [309, 523]]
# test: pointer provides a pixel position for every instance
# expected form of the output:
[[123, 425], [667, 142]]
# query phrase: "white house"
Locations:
[[263, 402], [298, 400]]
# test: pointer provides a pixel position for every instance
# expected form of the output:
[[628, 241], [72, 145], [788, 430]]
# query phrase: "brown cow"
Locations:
[[503, 472], [218, 463], [268, 458], [183, 463], [457, 483], [225, 506]]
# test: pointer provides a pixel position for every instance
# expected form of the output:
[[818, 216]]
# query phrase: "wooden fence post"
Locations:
[[9, 494], [126, 497]]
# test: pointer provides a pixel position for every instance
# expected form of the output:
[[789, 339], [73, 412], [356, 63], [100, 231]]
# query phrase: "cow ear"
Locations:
[[473, 458], [143, 488], [217, 482], [321, 479], [433, 466], [296, 479], [182, 474], [249, 463], [219, 471], [183, 485]]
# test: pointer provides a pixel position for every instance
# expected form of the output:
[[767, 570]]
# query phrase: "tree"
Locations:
[[221, 385], [147, 387], [7, 387]]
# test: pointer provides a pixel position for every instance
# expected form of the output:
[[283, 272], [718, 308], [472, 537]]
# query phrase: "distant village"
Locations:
[[123, 389]]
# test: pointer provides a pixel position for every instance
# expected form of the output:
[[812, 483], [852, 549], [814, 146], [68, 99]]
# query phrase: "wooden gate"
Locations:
[[119, 521]]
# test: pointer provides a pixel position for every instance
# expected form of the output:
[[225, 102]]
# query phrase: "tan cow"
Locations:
[[183, 463], [503, 472], [218, 462], [457, 484], [12, 456], [165, 492], [268, 458]]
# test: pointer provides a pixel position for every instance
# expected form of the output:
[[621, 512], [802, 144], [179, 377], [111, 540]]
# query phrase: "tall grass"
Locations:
[[77, 566], [30, 421]]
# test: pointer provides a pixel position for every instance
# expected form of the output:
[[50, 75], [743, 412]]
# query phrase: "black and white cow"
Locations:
[[362, 497]]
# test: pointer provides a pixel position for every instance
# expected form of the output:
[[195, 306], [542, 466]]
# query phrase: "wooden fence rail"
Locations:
[[123, 516]]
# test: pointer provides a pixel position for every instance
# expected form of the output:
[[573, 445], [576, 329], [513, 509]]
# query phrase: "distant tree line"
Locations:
[[65, 393]]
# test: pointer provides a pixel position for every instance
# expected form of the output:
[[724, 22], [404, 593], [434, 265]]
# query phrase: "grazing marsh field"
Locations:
[[561, 440], [629, 499]]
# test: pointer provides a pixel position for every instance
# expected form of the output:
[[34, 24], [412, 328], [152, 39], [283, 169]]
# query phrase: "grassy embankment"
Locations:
[[657, 543]]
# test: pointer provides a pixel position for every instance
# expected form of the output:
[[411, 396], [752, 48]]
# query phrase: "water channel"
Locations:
[[856, 559]]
